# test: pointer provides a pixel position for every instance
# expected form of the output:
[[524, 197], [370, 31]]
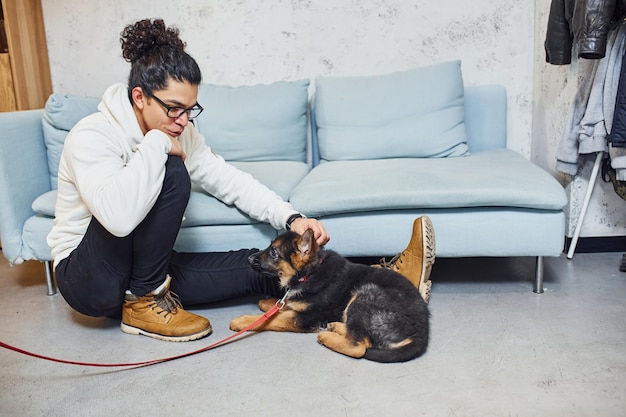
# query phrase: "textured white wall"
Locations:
[[259, 42], [238, 42]]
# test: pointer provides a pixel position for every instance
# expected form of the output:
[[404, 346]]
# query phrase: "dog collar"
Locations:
[[303, 278]]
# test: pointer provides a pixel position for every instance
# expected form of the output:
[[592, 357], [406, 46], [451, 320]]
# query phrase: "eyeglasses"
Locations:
[[175, 112]]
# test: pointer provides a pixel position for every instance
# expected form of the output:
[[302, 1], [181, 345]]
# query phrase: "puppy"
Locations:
[[371, 313]]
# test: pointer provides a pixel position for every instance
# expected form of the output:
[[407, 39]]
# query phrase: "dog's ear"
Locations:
[[305, 242]]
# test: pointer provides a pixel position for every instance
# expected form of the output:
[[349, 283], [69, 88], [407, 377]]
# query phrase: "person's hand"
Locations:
[[300, 225], [176, 150]]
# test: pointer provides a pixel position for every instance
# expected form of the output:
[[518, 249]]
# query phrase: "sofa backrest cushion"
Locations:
[[256, 123], [61, 113], [247, 123], [414, 114]]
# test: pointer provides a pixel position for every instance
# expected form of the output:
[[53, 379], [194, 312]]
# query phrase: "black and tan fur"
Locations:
[[371, 313]]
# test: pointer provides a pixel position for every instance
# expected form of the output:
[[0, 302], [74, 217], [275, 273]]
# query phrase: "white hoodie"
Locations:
[[110, 170]]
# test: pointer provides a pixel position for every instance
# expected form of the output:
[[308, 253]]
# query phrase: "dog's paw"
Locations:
[[324, 337], [240, 323], [342, 344], [267, 304], [331, 339], [337, 327]]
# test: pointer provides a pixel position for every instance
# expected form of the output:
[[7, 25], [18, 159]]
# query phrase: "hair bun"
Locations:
[[148, 37]]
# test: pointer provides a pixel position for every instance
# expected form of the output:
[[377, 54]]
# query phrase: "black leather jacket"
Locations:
[[586, 22]]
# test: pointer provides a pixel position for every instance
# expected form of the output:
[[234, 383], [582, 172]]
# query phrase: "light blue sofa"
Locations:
[[366, 155]]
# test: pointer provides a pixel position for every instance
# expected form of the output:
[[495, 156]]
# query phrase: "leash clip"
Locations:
[[281, 303]]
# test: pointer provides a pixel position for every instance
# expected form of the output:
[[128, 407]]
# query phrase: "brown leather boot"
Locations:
[[416, 261], [160, 315]]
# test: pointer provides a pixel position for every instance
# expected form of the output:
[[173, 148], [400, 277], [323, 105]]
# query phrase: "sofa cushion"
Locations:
[[206, 210], [410, 114], [44, 204], [35, 246], [498, 178], [61, 113], [256, 123]]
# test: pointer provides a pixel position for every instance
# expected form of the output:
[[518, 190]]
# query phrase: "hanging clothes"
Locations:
[[593, 28], [590, 118], [598, 113], [617, 138], [580, 24]]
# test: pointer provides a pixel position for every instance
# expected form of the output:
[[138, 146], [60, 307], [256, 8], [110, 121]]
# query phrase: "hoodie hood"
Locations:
[[118, 110]]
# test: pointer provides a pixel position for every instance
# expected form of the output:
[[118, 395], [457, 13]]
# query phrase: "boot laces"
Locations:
[[169, 302], [389, 264]]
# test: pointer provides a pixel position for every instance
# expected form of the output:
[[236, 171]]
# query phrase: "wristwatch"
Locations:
[[292, 218]]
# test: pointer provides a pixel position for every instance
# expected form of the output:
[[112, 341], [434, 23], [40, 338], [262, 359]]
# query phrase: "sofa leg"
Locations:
[[50, 278], [539, 276]]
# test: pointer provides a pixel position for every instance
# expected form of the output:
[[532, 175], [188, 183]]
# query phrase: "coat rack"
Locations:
[[579, 223]]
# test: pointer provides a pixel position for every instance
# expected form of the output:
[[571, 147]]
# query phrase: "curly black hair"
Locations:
[[156, 54]]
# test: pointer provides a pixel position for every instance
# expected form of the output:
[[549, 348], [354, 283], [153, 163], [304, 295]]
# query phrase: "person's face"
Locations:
[[152, 114]]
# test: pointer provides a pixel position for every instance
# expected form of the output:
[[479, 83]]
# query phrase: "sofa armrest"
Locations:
[[485, 117], [23, 175]]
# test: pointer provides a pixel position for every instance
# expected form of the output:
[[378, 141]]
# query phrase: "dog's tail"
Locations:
[[411, 350]]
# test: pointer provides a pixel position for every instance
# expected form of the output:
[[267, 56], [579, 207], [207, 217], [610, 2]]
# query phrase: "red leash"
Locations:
[[262, 319]]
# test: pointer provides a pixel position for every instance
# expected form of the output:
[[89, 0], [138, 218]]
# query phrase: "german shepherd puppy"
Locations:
[[371, 313]]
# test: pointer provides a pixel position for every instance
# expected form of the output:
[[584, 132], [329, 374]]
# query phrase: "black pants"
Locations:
[[95, 276]]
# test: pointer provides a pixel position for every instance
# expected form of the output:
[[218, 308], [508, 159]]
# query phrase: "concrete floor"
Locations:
[[497, 349]]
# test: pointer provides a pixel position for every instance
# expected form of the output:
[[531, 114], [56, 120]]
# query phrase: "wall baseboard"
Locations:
[[598, 244]]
